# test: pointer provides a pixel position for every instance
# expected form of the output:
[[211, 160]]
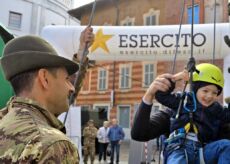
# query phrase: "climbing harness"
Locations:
[[190, 130]]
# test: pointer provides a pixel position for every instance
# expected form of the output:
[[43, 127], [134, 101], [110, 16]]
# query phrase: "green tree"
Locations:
[[5, 89]]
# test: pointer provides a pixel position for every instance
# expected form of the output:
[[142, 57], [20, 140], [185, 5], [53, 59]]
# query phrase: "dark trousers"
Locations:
[[102, 150], [115, 146]]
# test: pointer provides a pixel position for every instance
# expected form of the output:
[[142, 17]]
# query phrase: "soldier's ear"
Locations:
[[43, 78]]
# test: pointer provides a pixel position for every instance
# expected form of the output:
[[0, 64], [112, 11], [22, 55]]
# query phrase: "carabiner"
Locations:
[[190, 95]]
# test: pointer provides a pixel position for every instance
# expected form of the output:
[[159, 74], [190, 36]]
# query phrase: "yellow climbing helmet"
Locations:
[[209, 73]]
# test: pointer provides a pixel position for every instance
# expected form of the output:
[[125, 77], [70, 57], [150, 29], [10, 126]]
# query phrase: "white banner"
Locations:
[[142, 43]]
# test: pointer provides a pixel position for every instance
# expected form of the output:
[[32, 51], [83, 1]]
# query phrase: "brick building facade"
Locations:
[[105, 85]]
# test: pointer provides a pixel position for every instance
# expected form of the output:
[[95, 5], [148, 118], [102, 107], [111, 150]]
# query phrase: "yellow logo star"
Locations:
[[100, 40]]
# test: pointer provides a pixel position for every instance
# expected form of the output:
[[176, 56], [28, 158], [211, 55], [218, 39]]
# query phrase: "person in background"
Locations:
[[89, 134], [29, 130], [102, 135], [116, 135]]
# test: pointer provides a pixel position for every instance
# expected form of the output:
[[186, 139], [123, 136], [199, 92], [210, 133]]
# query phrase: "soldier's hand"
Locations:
[[86, 38]]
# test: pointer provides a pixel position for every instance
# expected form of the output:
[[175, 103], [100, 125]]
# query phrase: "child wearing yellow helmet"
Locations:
[[199, 121], [209, 74]]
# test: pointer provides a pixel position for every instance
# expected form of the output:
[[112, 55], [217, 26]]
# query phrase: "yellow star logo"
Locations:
[[100, 41]]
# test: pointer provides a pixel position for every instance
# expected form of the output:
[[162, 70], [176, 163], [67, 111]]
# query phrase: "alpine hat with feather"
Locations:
[[32, 52]]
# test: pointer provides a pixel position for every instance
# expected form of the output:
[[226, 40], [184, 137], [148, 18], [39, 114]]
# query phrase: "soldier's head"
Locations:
[[35, 70], [91, 123], [106, 124]]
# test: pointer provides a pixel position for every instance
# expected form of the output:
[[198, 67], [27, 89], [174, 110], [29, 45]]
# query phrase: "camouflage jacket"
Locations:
[[89, 133], [31, 134]]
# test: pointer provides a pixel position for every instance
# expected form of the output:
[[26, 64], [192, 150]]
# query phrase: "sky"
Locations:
[[79, 3]]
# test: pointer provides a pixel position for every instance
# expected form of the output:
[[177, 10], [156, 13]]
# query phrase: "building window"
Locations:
[[102, 79], [229, 8], [85, 107], [102, 111], [148, 74], [196, 15], [151, 20], [135, 107], [15, 20], [209, 13], [125, 81], [152, 17], [124, 116], [128, 21], [127, 24]]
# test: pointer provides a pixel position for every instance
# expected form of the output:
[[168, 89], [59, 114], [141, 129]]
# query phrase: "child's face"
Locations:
[[207, 95]]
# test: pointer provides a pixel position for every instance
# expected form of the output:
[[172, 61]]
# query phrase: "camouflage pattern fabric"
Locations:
[[31, 134], [3, 112], [89, 133]]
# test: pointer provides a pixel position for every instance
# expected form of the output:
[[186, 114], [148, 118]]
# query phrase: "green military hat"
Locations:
[[31, 52]]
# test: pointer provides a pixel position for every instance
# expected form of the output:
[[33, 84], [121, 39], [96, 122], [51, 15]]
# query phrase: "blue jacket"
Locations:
[[116, 133], [207, 119]]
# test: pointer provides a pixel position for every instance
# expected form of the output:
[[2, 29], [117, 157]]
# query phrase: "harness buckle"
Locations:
[[175, 135]]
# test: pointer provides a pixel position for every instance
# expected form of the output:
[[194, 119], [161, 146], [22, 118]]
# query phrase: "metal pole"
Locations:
[[214, 35], [85, 51], [192, 60]]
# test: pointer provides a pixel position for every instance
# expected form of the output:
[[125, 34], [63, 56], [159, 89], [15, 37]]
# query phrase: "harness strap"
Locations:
[[191, 127], [201, 156]]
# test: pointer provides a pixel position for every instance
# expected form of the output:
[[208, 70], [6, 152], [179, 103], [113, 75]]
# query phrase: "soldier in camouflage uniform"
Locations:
[[89, 134], [29, 129]]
